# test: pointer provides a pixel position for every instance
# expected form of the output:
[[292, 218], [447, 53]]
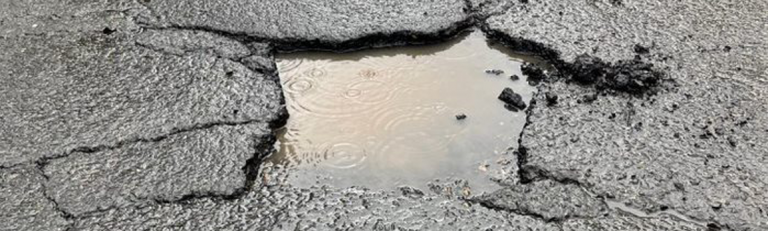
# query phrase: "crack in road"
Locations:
[[527, 173], [250, 167], [476, 19]]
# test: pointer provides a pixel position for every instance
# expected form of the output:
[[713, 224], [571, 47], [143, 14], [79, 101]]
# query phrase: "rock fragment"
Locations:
[[640, 49], [631, 76], [494, 71], [551, 98], [588, 98], [512, 99], [587, 69]]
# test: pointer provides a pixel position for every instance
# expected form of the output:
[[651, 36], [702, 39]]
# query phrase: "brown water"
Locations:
[[385, 118]]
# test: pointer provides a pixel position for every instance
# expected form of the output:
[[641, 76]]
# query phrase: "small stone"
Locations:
[[494, 71], [716, 206], [466, 192], [512, 99], [713, 227], [720, 131], [551, 98], [108, 31], [514, 77], [575, 139], [461, 116], [588, 98], [641, 49], [679, 186], [411, 191]]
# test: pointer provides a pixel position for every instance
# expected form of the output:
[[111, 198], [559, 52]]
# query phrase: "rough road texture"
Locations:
[[23, 201], [207, 162], [155, 114], [336, 25], [90, 91], [697, 147], [30, 17], [275, 207]]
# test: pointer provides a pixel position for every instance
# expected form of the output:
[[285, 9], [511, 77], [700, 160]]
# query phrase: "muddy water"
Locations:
[[386, 118]]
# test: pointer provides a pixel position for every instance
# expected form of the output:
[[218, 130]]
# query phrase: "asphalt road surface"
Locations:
[[114, 115]]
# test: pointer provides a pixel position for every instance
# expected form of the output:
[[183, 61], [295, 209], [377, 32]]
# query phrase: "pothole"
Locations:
[[393, 117]]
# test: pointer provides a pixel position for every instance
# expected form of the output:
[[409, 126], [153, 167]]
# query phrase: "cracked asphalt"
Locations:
[[157, 114]]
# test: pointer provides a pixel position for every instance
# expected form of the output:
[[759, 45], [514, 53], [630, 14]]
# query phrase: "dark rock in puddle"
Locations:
[[587, 69], [632, 76], [512, 99], [514, 77], [494, 71], [511, 108], [461, 116], [534, 73], [551, 98]]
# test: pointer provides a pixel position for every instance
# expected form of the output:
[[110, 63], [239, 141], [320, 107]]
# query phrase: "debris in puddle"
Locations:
[[534, 73], [551, 98], [514, 77], [494, 71], [461, 116], [512, 99], [511, 108]]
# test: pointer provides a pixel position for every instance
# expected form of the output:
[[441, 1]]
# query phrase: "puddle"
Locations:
[[386, 118]]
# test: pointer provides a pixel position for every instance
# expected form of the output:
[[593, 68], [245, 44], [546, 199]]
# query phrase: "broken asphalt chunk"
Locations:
[[512, 99]]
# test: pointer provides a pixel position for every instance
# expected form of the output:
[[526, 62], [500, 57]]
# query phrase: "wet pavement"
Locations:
[[158, 114]]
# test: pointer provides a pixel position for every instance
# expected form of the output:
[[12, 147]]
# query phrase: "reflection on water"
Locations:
[[386, 118]]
